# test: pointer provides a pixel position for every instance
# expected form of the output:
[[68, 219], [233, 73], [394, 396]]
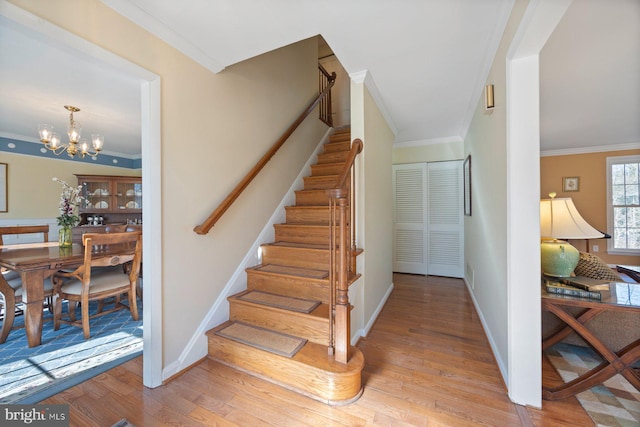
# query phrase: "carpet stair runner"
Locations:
[[278, 329]]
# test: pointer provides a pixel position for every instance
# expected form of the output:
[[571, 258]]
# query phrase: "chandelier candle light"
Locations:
[[51, 140], [559, 219]]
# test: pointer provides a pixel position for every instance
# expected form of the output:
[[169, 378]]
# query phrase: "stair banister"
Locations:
[[235, 193], [339, 258]]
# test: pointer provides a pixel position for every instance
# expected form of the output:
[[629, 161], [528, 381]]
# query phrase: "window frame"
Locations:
[[617, 160]]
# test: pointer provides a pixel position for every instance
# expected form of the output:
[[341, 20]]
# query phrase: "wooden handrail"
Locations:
[[356, 148], [228, 201]]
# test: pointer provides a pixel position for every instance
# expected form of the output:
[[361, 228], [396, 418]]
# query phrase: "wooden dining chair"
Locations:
[[11, 282], [92, 282]]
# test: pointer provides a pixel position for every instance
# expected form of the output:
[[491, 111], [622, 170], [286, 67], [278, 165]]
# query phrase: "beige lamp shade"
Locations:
[[559, 219]]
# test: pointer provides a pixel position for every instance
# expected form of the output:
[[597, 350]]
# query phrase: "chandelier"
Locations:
[[78, 146]]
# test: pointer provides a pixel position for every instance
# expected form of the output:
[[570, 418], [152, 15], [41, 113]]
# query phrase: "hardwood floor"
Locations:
[[428, 363]]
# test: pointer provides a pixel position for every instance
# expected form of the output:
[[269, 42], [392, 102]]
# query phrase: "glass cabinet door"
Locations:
[[97, 195], [129, 195]]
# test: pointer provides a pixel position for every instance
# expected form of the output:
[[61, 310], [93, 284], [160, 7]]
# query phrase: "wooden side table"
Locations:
[[622, 297]]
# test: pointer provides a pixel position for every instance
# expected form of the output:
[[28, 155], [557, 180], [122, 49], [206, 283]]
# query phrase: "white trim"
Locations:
[[611, 250], [151, 172], [143, 19], [362, 333], [197, 348], [151, 121], [595, 149], [524, 380], [487, 331], [364, 76]]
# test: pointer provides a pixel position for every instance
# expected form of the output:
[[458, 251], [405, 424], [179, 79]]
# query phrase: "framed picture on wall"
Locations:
[[571, 183], [466, 168], [3, 187]]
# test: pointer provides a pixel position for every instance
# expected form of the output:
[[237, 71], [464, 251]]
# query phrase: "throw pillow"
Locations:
[[591, 266]]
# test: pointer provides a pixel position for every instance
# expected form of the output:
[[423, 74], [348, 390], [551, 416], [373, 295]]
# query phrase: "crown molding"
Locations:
[[141, 18], [586, 150], [364, 76]]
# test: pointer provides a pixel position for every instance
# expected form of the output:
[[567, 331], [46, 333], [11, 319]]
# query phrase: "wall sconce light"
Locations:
[[488, 97]]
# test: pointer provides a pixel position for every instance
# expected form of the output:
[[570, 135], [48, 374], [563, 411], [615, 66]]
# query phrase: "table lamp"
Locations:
[[559, 219]]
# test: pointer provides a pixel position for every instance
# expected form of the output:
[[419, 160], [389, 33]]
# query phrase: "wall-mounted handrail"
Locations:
[[340, 254], [235, 193]]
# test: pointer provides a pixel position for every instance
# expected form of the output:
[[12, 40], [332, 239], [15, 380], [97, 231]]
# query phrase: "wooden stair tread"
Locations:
[[320, 312], [312, 354]]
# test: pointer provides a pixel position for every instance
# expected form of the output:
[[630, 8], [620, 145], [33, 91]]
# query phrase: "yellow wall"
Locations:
[[214, 129], [591, 199], [32, 192], [428, 153]]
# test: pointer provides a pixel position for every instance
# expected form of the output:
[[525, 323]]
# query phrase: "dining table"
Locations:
[[36, 262]]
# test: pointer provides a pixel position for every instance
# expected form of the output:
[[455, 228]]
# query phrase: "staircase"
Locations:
[[295, 269]]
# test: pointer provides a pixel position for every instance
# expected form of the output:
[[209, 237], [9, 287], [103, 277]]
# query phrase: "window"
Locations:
[[623, 204]]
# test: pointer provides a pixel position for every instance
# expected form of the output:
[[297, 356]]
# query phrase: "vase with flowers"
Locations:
[[70, 199]]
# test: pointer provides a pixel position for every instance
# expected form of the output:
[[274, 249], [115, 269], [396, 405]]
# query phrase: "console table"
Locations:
[[621, 297]]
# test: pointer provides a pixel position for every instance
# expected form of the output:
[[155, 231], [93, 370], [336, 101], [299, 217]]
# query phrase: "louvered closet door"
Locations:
[[445, 235], [428, 229], [409, 218]]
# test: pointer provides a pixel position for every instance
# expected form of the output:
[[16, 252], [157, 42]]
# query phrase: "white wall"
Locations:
[[502, 237], [214, 129], [374, 208], [485, 231]]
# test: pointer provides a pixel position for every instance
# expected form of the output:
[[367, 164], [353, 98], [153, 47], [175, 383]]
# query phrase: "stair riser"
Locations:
[[343, 144], [324, 386], [327, 169], [298, 215], [314, 235], [292, 286], [333, 157], [296, 257], [310, 327], [312, 198], [320, 182]]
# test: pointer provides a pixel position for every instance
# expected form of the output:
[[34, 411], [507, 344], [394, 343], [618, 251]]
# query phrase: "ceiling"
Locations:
[[426, 63]]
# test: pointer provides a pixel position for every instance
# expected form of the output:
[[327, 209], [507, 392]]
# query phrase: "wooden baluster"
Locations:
[[332, 269], [342, 334]]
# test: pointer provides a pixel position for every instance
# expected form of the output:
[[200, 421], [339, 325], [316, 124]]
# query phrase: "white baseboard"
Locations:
[[196, 348], [364, 331], [487, 331]]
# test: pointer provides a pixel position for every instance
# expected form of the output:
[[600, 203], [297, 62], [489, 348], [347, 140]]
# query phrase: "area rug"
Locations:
[[65, 358], [280, 301], [265, 339], [613, 404]]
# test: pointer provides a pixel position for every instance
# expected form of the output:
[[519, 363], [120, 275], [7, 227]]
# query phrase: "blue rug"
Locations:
[[65, 358]]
